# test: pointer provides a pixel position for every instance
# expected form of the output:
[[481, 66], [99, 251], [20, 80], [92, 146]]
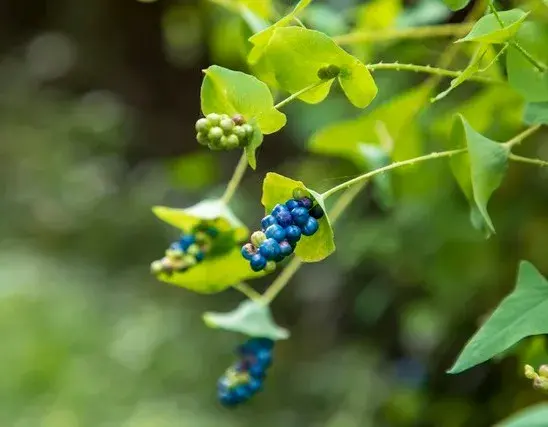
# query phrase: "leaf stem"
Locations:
[[428, 69], [521, 159], [248, 291], [236, 179], [295, 95], [404, 33], [395, 165], [520, 137]]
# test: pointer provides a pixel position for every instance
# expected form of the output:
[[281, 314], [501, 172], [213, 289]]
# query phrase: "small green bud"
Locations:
[[248, 129], [189, 260], [232, 141], [202, 138], [543, 371], [227, 125], [329, 72], [300, 193], [529, 372], [193, 249], [240, 132], [156, 267], [213, 119], [203, 125], [238, 119], [270, 267], [215, 134], [257, 238]]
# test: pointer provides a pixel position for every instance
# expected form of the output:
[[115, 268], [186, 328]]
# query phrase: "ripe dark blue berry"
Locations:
[[285, 248], [186, 241], [257, 262], [248, 250], [310, 227], [267, 221], [305, 202], [291, 204], [279, 208], [276, 232], [284, 218], [270, 249], [293, 233], [200, 256], [316, 212], [300, 216]]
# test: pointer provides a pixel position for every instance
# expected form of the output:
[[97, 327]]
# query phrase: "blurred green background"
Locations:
[[98, 100]]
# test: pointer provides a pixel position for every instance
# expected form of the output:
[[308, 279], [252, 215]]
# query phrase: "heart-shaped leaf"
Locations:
[[489, 30], [213, 274], [523, 76], [295, 55], [519, 315], [536, 113], [279, 189], [480, 171], [231, 92], [534, 416], [249, 318]]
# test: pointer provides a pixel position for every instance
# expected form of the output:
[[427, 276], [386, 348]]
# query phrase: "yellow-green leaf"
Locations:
[[489, 30]]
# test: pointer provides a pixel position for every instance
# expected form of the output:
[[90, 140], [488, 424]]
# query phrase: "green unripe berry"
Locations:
[[543, 371], [300, 193], [215, 134], [240, 132], [227, 125], [215, 146], [189, 260], [232, 141], [224, 142], [213, 119], [202, 138], [156, 267], [193, 249], [203, 125], [257, 238], [270, 267], [328, 72], [174, 254], [248, 129]]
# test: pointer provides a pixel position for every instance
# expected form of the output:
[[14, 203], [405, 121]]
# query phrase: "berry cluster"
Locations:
[[245, 378], [281, 230], [221, 132], [186, 252]]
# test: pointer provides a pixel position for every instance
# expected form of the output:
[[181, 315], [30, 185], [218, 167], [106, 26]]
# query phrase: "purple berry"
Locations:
[[310, 227], [316, 212], [285, 248], [284, 218], [269, 249], [248, 250], [291, 204], [300, 216], [257, 262], [293, 233], [267, 221], [306, 203], [276, 232]]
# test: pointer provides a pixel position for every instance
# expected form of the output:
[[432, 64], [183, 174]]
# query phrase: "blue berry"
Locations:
[[269, 249], [253, 345], [310, 227], [291, 204], [316, 212], [176, 246], [200, 256], [248, 250], [267, 221], [284, 218], [264, 358], [305, 202], [293, 233], [257, 371], [285, 247], [276, 232], [186, 241], [279, 208], [255, 385], [257, 262], [300, 216], [227, 398]]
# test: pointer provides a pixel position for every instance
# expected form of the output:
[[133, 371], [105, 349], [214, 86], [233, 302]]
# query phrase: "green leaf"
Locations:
[[231, 92], [213, 274], [376, 157], [249, 318], [279, 189], [214, 211], [522, 75], [480, 171], [489, 30], [519, 315], [536, 113], [534, 416], [456, 4], [254, 144], [295, 56]]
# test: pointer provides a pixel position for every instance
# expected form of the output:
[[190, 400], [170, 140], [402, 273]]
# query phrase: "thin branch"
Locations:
[[520, 137], [528, 160]]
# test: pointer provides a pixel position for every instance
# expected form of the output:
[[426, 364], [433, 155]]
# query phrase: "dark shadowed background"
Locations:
[[98, 100]]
